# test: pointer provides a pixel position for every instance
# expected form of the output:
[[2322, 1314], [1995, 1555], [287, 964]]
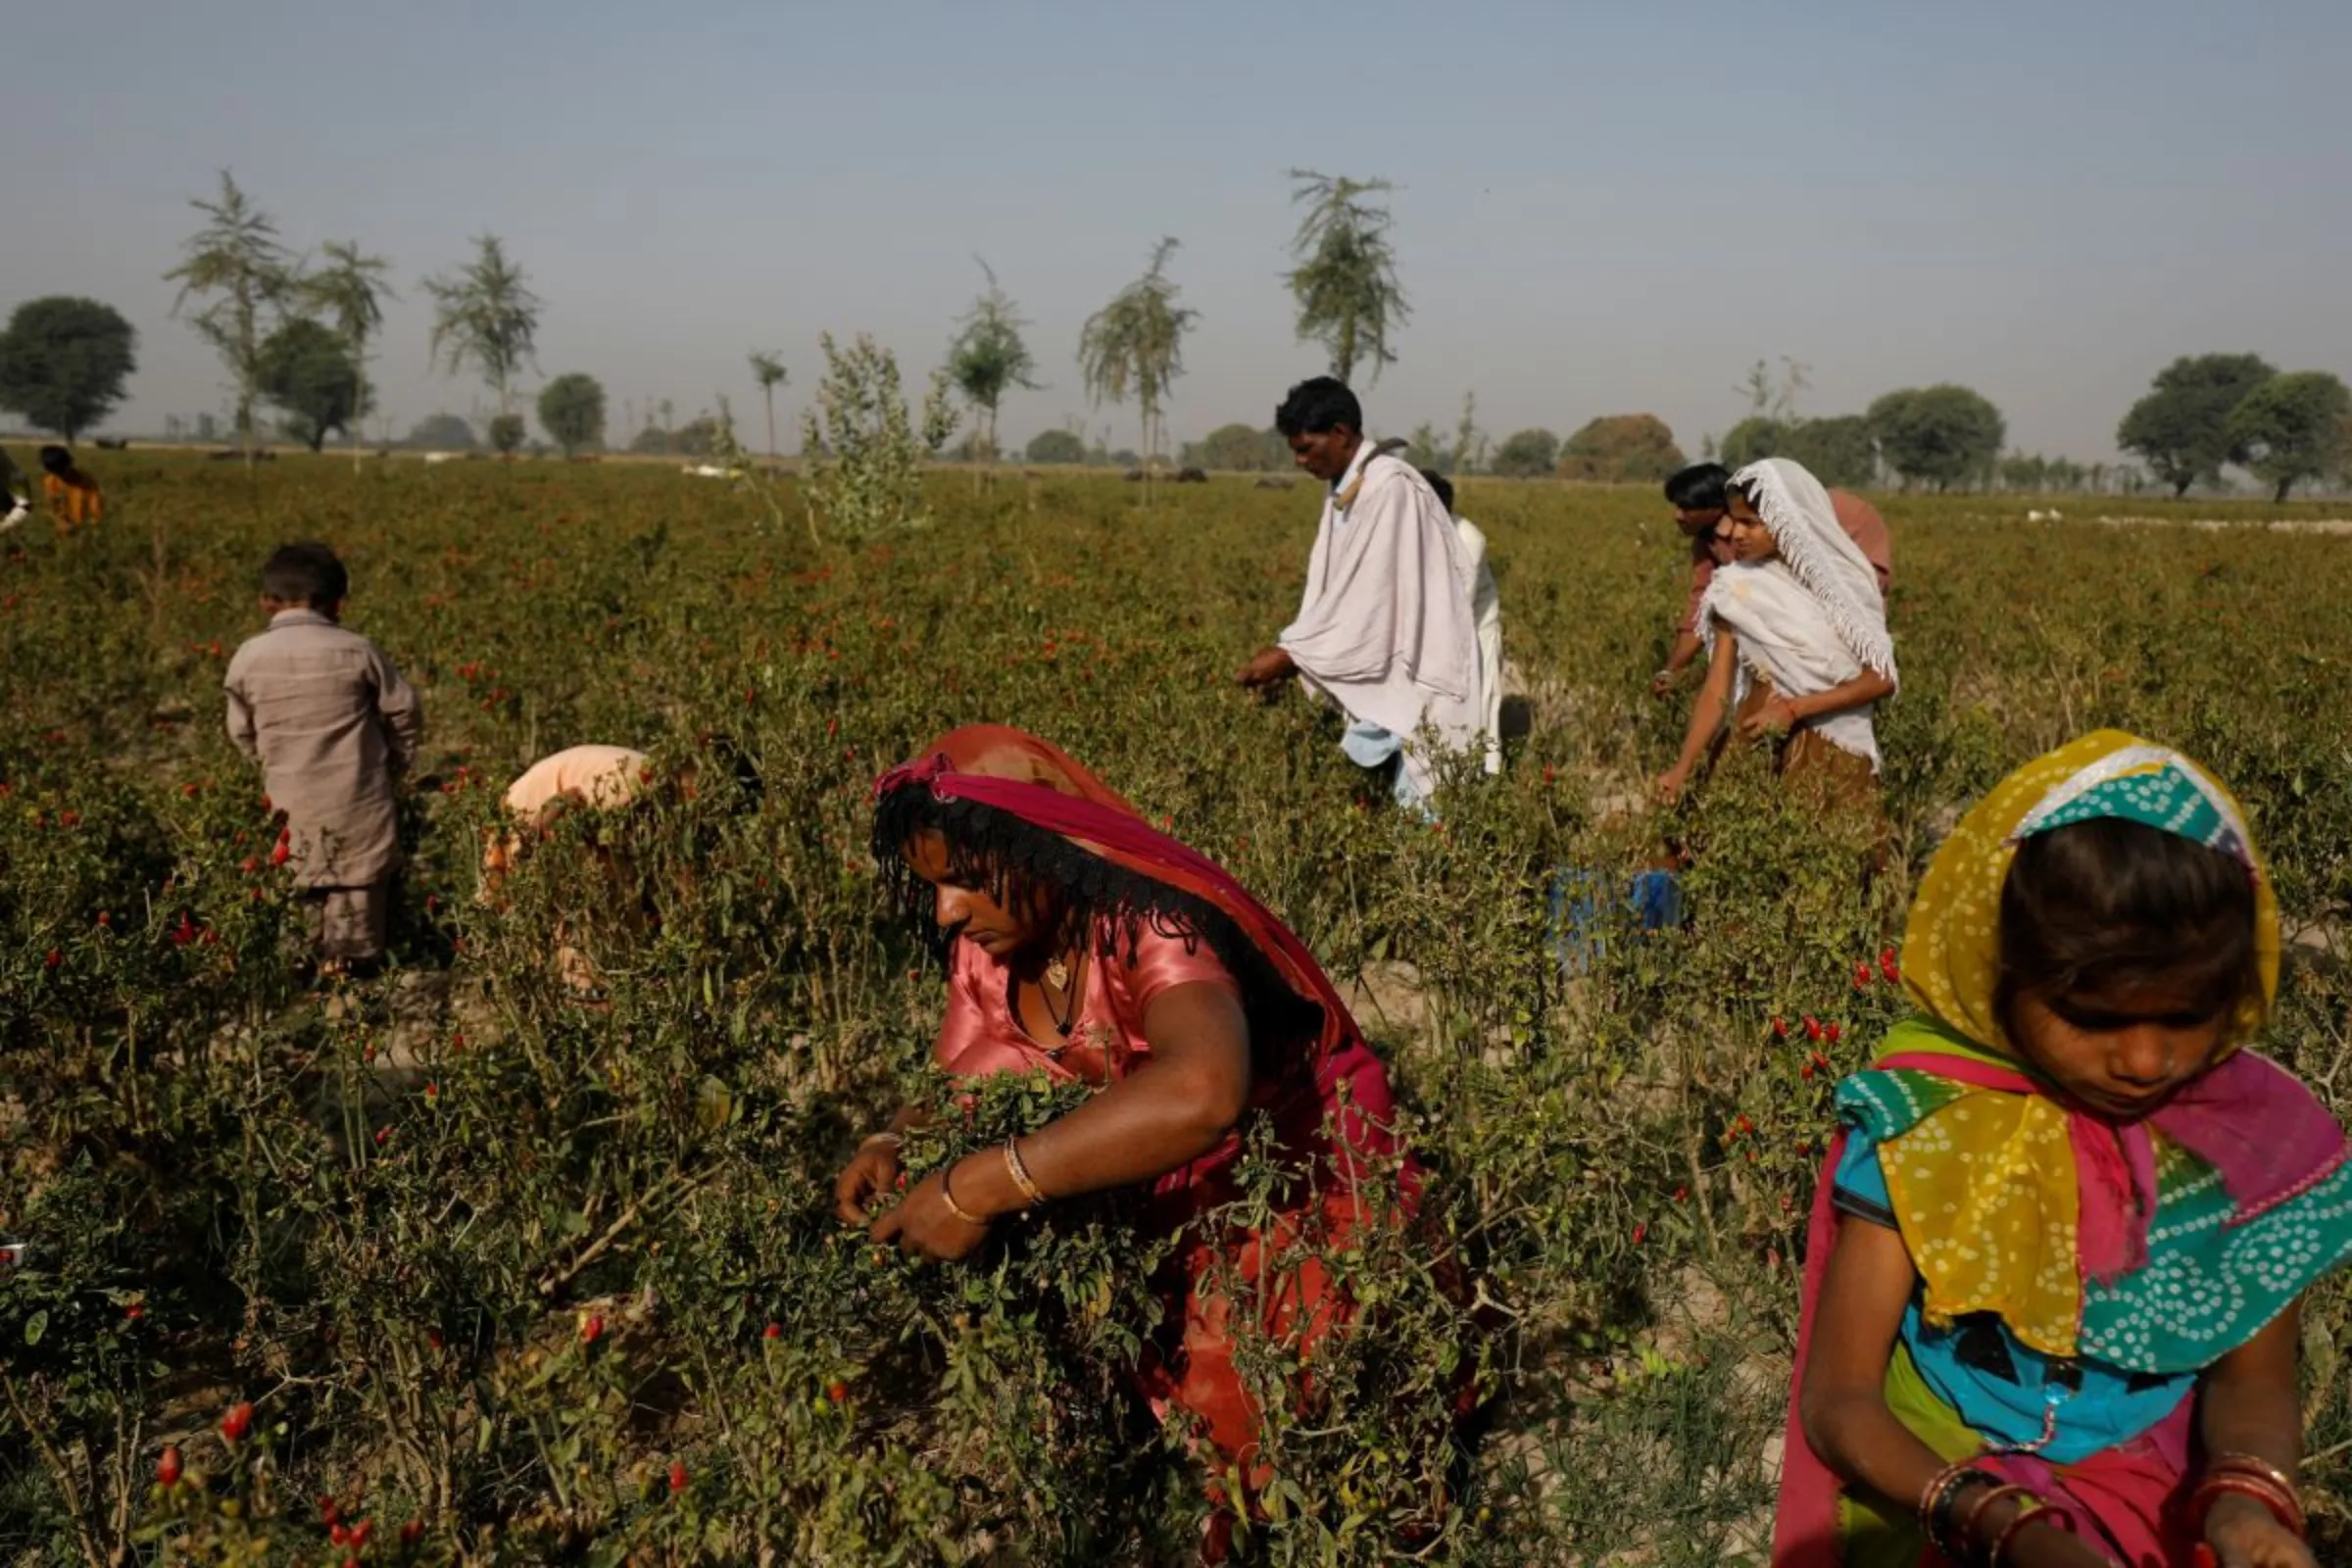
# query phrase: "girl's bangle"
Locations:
[[1021, 1173], [2283, 1506], [2034, 1512], [1969, 1533], [2254, 1464], [893, 1140], [947, 1196], [1936, 1499]]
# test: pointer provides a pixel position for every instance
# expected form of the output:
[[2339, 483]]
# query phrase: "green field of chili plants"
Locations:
[[474, 1274]]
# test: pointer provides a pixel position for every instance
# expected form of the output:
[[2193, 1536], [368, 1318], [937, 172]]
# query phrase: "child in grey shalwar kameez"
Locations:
[[330, 722]]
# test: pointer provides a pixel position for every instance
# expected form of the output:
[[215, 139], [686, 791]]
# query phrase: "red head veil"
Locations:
[[1012, 771]]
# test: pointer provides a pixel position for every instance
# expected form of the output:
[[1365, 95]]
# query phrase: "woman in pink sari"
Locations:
[[1083, 945]]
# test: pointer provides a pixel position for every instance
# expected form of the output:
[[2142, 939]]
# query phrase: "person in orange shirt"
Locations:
[[72, 495], [606, 779]]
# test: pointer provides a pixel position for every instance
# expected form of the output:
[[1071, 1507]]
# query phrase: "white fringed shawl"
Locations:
[[1813, 618]]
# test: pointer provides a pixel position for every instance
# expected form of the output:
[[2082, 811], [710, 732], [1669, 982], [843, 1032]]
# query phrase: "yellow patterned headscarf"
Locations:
[[1991, 1188], [1951, 946]]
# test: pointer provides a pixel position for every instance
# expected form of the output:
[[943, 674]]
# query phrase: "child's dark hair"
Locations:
[[305, 573], [57, 460], [1442, 485], [2108, 905]]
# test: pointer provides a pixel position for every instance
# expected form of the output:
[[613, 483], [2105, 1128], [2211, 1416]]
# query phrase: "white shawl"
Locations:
[[1485, 612], [1385, 628], [1811, 619]]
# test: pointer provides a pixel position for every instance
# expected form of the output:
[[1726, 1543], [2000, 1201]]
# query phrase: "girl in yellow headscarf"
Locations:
[[2050, 1307]]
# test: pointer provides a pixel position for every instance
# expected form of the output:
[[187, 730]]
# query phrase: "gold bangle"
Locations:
[[893, 1140], [1021, 1173], [948, 1196]]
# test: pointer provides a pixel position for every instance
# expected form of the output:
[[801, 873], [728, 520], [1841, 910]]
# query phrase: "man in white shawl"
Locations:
[[1385, 628], [1796, 639]]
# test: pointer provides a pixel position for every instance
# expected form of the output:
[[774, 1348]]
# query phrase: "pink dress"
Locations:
[[980, 1035]]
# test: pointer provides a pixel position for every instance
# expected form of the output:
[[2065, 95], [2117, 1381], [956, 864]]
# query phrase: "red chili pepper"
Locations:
[[238, 1421], [167, 1468], [677, 1477]]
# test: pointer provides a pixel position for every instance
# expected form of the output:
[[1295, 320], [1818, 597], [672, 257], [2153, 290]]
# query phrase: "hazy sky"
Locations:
[[1603, 209]]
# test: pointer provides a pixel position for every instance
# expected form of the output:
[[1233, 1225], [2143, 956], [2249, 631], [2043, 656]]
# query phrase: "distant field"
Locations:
[[383, 1221]]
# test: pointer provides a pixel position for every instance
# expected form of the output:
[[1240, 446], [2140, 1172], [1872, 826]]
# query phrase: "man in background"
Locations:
[[1385, 628]]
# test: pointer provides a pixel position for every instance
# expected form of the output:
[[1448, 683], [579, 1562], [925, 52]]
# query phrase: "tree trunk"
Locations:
[[2280, 499], [2180, 487], [770, 392], [357, 429]]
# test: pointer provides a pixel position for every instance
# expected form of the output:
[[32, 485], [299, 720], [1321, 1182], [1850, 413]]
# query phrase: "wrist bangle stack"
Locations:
[[1021, 1173], [1972, 1532], [1935, 1505], [2248, 1476]]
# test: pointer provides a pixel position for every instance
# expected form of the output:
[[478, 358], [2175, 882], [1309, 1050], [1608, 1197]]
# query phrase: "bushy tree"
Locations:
[[237, 266], [1527, 454], [863, 451], [308, 373], [989, 359], [442, 432], [1240, 449], [63, 362], [507, 433], [349, 291], [1057, 446], [1136, 343], [2182, 427], [1621, 449], [1345, 282], [2292, 428], [572, 410], [1840, 451], [485, 315], [1939, 436], [1753, 440]]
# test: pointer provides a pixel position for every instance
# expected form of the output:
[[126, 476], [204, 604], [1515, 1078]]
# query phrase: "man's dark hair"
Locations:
[[1701, 487], [305, 573], [1442, 485], [2109, 904], [1316, 404]]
